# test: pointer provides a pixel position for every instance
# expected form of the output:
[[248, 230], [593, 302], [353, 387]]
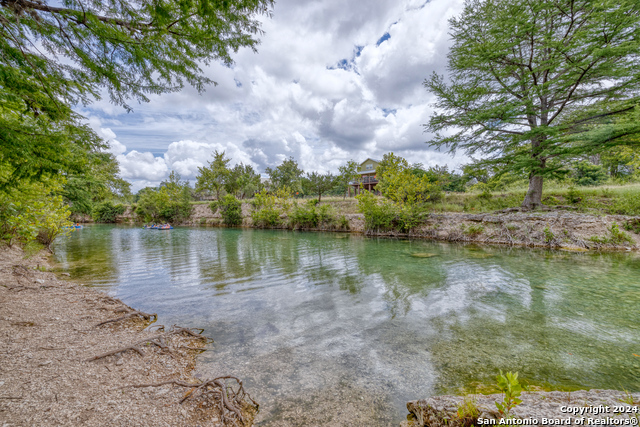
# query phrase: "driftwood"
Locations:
[[228, 400], [128, 314], [156, 340]]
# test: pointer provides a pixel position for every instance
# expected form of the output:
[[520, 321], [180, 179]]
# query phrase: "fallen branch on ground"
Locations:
[[228, 400], [157, 340], [129, 313]]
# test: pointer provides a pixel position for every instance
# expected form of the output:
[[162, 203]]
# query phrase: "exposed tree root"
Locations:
[[129, 313], [157, 340], [216, 391]]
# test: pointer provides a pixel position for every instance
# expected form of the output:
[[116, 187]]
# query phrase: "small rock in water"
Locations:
[[423, 255], [476, 255]]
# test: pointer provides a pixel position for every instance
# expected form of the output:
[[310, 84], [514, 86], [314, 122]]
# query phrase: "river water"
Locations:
[[340, 329]]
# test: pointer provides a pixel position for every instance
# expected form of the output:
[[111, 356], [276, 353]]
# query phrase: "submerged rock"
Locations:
[[423, 255]]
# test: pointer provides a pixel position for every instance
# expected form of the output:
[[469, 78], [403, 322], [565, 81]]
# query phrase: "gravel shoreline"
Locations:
[[48, 332]]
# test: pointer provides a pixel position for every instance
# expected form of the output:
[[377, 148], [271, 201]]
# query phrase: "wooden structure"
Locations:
[[368, 179]]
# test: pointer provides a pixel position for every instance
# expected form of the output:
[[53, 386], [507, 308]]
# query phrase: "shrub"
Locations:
[[627, 203], [573, 195], [468, 412], [269, 207], [31, 212], [107, 212], [619, 236], [378, 215], [588, 174], [266, 217], [343, 223], [326, 214], [616, 236], [305, 216], [231, 210], [633, 225], [510, 386], [214, 206], [309, 215]]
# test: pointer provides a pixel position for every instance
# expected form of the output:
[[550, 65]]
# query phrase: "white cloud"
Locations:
[[321, 89], [135, 165]]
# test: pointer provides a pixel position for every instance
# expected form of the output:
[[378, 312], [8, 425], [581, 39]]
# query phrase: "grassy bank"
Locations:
[[603, 200]]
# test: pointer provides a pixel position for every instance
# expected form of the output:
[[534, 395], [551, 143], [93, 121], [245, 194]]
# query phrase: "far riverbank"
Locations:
[[559, 229]]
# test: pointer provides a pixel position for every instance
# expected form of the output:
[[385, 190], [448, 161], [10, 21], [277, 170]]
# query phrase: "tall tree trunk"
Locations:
[[319, 197], [533, 199]]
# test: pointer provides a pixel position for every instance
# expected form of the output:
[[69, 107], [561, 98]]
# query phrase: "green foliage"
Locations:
[[169, 203], [379, 215], [58, 56], [485, 191], [627, 203], [33, 211], [231, 210], [406, 185], [633, 225], [510, 386], [269, 207], [309, 215], [100, 182], [316, 183], [346, 174], [287, 175], [527, 87], [214, 206], [343, 223], [467, 412], [573, 195], [549, 237], [242, 181], [304, 216], [212, 178], [588, 174], [107, 212], [474, 230], [616, 237]]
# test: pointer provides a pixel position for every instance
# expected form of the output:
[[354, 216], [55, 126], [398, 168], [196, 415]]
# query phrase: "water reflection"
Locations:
[[313, 320]]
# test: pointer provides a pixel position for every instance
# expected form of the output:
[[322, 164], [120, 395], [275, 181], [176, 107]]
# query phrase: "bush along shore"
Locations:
[[556, 229], [73, 356]]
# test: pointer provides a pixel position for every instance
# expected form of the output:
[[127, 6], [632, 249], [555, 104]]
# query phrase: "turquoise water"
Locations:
[[322, 320]]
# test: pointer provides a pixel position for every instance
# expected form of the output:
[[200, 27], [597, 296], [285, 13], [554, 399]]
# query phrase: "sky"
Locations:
[[333, 80]]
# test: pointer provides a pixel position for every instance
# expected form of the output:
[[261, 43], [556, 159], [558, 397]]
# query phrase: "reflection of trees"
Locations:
[[89, 252], [565, 324]]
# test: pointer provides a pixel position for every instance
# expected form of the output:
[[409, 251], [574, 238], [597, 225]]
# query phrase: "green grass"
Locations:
[[622, 200]]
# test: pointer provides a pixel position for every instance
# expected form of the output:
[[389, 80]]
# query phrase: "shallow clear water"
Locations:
[[315, 321]]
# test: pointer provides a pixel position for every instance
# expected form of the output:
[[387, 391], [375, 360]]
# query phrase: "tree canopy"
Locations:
[[317, 183], [56, 56], [213, 177], [286, 175], [531, 82]]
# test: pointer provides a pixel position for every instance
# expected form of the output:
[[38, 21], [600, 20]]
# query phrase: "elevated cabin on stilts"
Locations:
[[368, 179]]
